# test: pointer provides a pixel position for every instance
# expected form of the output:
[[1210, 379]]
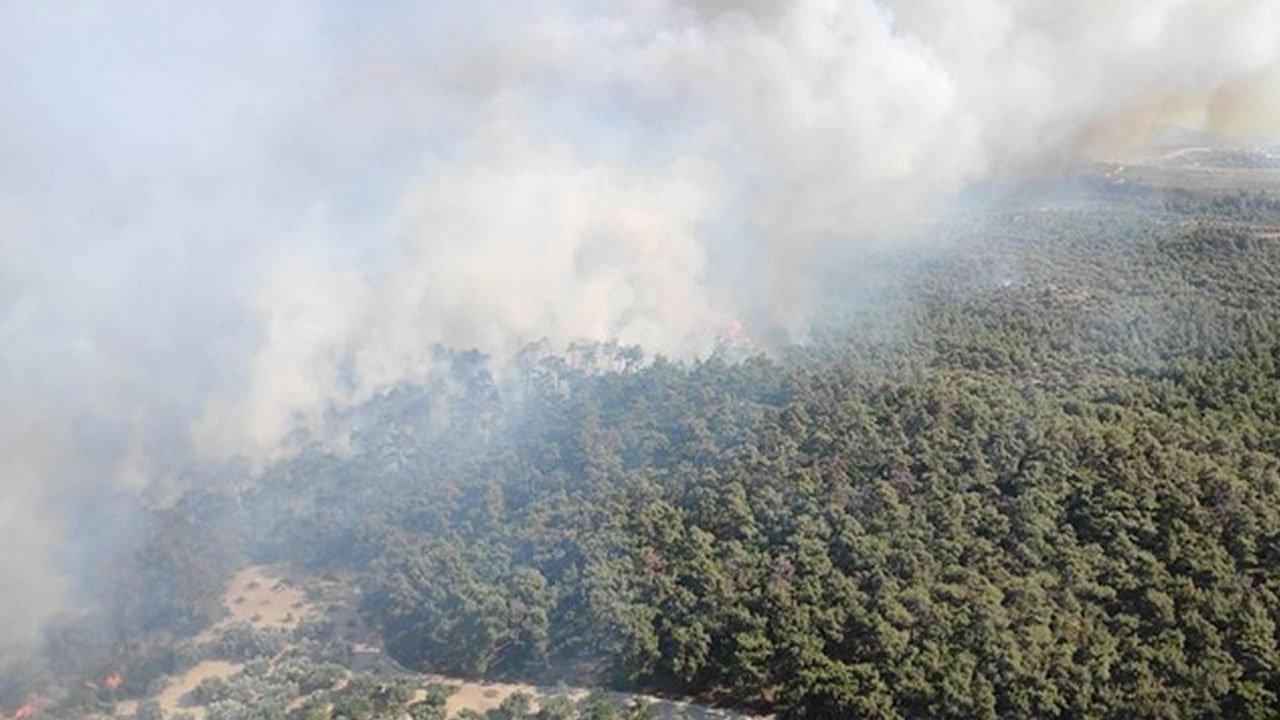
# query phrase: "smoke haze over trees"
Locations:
[[1049, 491], [233, 237]]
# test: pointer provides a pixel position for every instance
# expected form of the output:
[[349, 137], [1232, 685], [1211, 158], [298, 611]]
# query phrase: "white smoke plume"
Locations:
[[218, 223]]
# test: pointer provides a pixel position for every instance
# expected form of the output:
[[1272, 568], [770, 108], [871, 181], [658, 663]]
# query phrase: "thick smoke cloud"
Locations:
[[217, 224]]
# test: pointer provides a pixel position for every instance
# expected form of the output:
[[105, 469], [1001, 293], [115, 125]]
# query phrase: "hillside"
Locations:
[[1033, 471]]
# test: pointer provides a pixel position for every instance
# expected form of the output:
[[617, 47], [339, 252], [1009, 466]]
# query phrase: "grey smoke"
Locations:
[[218, 223]]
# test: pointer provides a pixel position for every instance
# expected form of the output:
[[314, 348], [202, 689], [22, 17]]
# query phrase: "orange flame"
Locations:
[[113, 681], [31, 708]]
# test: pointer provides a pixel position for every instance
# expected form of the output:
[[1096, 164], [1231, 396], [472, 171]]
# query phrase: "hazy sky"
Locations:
[[219, 220]]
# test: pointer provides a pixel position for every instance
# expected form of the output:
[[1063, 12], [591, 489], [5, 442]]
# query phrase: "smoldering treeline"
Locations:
[[218, 225]]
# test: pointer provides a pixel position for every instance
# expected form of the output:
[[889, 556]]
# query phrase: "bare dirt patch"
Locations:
[[265, 597], [1193, 178], [483, 697], [171, 698]]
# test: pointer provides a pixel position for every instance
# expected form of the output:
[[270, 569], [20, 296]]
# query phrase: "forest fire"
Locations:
[[31, 708], [729, 359]]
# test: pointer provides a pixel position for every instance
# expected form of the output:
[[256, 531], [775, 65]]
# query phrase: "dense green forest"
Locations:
[[1035, 474]]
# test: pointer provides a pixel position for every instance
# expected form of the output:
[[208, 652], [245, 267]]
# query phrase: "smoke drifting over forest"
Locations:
[[218, 224]]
